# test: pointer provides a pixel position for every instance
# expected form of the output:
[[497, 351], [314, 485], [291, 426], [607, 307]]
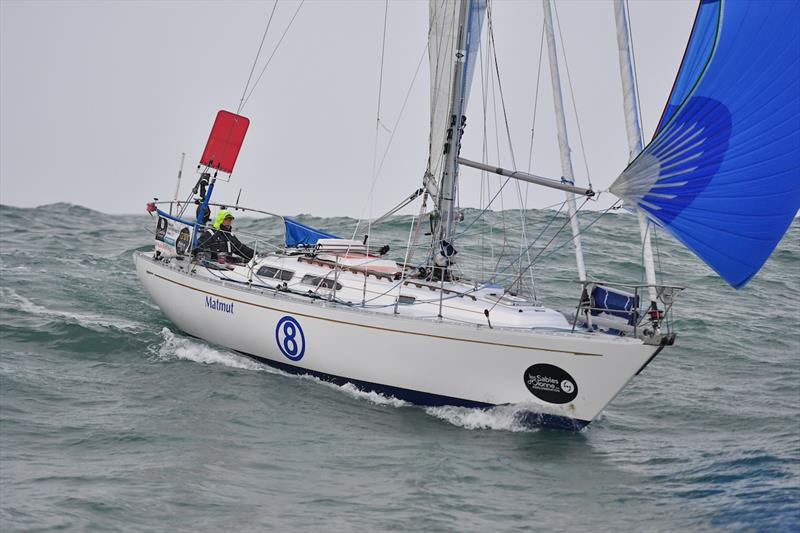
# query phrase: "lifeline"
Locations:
[[219, 305]]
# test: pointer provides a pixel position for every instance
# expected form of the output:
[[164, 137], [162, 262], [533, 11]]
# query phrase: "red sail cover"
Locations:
[[225, 141]]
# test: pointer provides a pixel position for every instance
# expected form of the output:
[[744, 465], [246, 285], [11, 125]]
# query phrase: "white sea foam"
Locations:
[[150, 304], [186, 349], [497, 418], [373, 397], [11, 300], [504, 417], [19, 268]]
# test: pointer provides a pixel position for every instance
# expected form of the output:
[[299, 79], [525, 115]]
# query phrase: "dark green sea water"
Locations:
[[112, 420]]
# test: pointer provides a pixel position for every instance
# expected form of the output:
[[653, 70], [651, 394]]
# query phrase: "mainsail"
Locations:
[[722, 173]]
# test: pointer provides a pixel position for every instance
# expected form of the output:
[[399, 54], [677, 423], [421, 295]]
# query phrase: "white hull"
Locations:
[[424, 361]]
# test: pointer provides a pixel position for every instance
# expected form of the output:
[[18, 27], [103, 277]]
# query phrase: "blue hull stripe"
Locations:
[[527, 418]]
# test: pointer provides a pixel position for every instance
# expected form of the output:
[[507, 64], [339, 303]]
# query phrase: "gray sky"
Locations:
[[99, 99]]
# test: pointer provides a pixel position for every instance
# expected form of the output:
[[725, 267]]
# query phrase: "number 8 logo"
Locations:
[[290, 338]]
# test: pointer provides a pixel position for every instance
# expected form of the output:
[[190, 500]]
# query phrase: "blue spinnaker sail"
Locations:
[[298, 234], [722, 173]]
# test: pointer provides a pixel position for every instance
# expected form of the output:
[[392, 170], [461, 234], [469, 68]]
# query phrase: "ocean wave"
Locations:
[[11, 300]]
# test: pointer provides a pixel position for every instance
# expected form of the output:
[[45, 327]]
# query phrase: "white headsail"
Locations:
[[453, 41]]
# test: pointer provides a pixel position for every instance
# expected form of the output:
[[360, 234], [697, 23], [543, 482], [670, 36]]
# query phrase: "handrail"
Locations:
[[258, 238], [665, 293], [658, 318], [226, 206]]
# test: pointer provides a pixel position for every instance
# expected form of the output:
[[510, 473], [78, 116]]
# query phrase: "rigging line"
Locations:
[[642, 271], [505, 117], [535, 112], [533, 129], [417, 232], [405, 263], [569, 219], [500, 86], [658, 257], [493, 48], [485, 179], [383, 54], [192, 193], [380, 93], [391, 137], [660, 271], [536, 99], [483, 150], [413, 196], [658, 254], [639, 112], [633, 58], [491, 52], [371, 196], [584, 229], [485, 80], [572, 97], [546, 227], [552, 219], [560, 206], [272, 55], [497, 151], [258, 54], [485, 208]]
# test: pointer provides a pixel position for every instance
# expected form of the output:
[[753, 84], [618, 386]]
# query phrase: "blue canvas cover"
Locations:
[[298, 234], [722, 173], [615, 302]]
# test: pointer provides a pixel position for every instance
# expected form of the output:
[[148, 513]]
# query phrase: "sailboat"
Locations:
[[721, 175]]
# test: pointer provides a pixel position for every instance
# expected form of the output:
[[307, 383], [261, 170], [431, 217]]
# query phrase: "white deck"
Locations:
[[373, 284]]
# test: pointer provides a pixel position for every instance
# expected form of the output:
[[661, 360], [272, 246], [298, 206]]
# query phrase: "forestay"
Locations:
[[722, 173]]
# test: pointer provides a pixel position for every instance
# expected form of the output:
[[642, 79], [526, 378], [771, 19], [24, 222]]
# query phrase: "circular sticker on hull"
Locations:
[[550, 383], [290, 338]]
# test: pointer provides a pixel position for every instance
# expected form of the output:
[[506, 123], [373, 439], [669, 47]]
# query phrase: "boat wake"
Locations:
[[185, 349], [501, 418], [372, 397]]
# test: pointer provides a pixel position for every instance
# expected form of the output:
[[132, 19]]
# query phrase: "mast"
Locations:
[[449, 182], [633, 127], [563, 143]]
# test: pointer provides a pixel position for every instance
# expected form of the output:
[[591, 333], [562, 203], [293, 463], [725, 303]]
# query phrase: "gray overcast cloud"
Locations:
[[99, 99]]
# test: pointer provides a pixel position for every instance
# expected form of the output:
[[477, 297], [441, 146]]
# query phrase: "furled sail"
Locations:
[[443, 54], [722, 173]]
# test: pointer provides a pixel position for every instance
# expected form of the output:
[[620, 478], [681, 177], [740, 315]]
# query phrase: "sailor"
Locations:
[[221, 242]]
